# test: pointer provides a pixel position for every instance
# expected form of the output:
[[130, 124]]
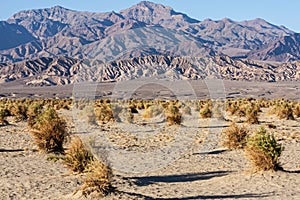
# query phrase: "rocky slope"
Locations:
[[286, 49], [61, 71]]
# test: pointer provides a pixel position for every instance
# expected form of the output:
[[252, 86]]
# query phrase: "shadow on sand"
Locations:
[[229, 196], [148, 180], [11, 150]]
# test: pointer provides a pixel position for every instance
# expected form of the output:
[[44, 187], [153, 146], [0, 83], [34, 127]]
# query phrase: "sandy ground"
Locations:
[[153, 89], [184, 162]]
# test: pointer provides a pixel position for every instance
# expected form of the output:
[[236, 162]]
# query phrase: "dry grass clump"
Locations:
[[19, 111], [33, 111], [283, 110], [49, 131], [296, 110], [98, 180], [206, 111], [235, 136], [152, 111], [252, 114], [264, 151], [104, 113], [77, 157], [3, 114], [173, 115], [186, 110]]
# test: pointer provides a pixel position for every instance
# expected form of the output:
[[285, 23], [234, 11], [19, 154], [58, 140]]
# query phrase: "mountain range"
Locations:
[[54, 45]]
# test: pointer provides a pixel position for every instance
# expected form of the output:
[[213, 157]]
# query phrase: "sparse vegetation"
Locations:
[[104, 113], [49, 131], [235, 136], [77, 157], [206, 111], [3, 114], [98, 180], [283, 110], [152, 111], [264, 151], [173, 115], [252, 115]]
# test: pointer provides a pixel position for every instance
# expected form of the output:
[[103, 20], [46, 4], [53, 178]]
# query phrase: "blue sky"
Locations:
[[278, 12]]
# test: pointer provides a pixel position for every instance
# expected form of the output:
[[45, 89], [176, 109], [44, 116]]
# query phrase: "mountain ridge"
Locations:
[[64, 32], [63, 71], [57, 46]]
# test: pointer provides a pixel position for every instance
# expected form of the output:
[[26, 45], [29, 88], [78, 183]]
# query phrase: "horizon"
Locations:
[[237, 11]]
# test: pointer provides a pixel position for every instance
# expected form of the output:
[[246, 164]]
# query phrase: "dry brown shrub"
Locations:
[[3, 114], [77, 156], [283, 110], [19, 111], [206, 111], [98, 180], [296, 110], [104, 113], [49, 131], [260, 159], [252, 116], [173, 115], [235, 136], [153, 111]]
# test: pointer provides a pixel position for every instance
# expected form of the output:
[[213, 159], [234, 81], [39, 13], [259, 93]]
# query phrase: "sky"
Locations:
[[277, 12]]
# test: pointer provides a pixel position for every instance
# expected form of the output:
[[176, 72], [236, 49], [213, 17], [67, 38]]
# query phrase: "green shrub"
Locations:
[[264, 151]]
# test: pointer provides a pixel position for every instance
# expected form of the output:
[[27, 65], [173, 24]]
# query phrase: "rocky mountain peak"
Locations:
[[152, 13]]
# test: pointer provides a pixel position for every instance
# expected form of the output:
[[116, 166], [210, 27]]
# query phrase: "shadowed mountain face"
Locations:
[[57, 46], [143, 29], [12, 35], [286, 49]]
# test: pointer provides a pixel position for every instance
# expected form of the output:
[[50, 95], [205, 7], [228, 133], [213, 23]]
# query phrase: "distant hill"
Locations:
[[62, 71], [147, 27], [57, 46], [285, 49]]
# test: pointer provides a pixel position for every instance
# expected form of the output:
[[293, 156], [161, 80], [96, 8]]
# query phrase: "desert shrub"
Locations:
[[152, 111], [235, 136], [296, 110], [264, 151], [33, 111], [89, 113], [252, 115], [98, 180], [206, 111], [77, 156], [133, 109], [3, 114], [129, 115], [283, 110], [217, 110], [187, 110], [173, 115], [49, 131], [104, 113], [19, 111], [140, 105]]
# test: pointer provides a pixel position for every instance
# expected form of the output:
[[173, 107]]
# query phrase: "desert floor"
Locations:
[[152, 161]]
